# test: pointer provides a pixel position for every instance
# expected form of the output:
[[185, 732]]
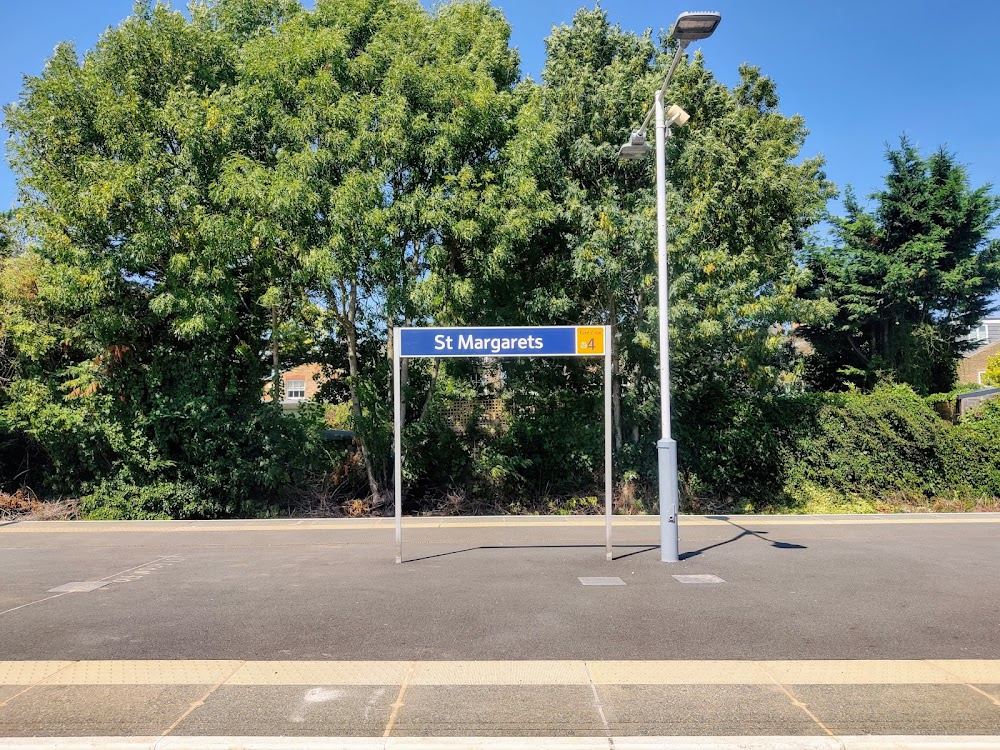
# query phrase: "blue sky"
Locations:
[[861, 73]]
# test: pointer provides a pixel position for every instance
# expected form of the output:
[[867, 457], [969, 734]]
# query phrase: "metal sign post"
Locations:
[[536, 341], [397, 444]]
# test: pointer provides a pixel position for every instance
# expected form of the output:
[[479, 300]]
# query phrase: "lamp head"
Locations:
[[692, 26], [677, 116], [635, 148]]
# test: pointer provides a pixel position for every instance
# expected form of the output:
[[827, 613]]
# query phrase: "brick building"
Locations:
[[973, 366], [301, 383]]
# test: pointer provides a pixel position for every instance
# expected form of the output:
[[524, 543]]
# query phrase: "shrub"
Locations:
[[734, 453], [871, 446], [974, 451], [115, 500], [836, 452], [184, 459]]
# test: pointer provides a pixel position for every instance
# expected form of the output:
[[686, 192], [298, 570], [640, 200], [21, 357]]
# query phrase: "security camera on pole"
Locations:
[[690, 27]]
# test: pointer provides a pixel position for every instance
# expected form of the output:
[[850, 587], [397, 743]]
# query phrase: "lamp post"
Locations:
[[690, 27]]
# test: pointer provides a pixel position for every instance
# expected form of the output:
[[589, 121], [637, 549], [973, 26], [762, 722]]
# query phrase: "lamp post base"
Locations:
[[666, 453]]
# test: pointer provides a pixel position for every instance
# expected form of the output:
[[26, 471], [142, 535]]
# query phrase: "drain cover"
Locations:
[[602, 581], [699, 579], [78, 587]]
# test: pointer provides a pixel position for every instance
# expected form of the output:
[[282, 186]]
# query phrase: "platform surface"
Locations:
[[771, 630]]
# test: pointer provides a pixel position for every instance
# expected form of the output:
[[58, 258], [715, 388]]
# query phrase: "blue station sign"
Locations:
[[537, 341]]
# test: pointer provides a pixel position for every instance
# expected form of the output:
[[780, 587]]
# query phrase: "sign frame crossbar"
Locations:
[[398, 356]]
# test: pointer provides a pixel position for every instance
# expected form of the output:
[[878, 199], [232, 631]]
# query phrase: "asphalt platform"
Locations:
[[821, 631]]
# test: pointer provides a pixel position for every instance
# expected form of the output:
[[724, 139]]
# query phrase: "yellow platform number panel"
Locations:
[[590, 340]]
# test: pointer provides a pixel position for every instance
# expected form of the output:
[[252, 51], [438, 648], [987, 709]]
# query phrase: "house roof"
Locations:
[[991, 347], [978, 394], [992, 335]]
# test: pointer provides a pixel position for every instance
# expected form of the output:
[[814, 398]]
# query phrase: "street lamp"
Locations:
[[690, 27]]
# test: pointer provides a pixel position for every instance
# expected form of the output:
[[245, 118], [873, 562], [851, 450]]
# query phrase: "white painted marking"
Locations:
[[37, 601], [598, 703], [601, 581], [78, 587], [313, 697], [323, 695], [700, 578], [172, 558]]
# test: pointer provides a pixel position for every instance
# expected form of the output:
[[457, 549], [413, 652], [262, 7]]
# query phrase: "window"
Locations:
[[295, 389], [979, 333], [981, 373]]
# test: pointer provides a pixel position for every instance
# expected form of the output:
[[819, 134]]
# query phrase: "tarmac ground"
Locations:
[[781, 631]]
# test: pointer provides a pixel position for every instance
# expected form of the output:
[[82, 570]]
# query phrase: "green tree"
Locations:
[[741, 205], [8, 249], [6, 233], [910, 278], [389, 122], [596, 80], [166, 288]]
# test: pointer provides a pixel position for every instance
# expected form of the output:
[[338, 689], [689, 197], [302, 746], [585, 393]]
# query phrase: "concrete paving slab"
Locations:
[[318, 673], [992, 690], [9, 691], [96, 710], [648, 672], [901, 709], [865, 672], [518, 672], [522, 711], [341, 711], [690, 710]]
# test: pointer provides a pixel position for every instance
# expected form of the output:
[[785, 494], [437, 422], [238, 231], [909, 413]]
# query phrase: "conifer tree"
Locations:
[[910, 278]]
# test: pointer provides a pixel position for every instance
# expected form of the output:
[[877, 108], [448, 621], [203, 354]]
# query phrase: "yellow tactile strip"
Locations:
[[320, 673], [29, 672], [233, 672], [499, 673], [163, 672], [368, 524], [970, 670], [859, 672], [678, 673]]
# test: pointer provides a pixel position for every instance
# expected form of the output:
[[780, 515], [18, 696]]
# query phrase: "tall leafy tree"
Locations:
[[120, 157], [6, 233], [7, 356], [910, 278], [596, 80], [741, 205], [386, 124]]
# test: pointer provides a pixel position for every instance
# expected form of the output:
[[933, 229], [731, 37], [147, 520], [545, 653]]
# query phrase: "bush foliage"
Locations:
[[832, 452]]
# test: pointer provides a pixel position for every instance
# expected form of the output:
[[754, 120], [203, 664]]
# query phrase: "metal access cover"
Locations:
[[78, 587], [602, 581], [703, 578]]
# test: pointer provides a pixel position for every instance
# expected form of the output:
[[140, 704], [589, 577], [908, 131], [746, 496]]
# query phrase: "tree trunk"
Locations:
[[276, 395], [435, 371], [349, 320]]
